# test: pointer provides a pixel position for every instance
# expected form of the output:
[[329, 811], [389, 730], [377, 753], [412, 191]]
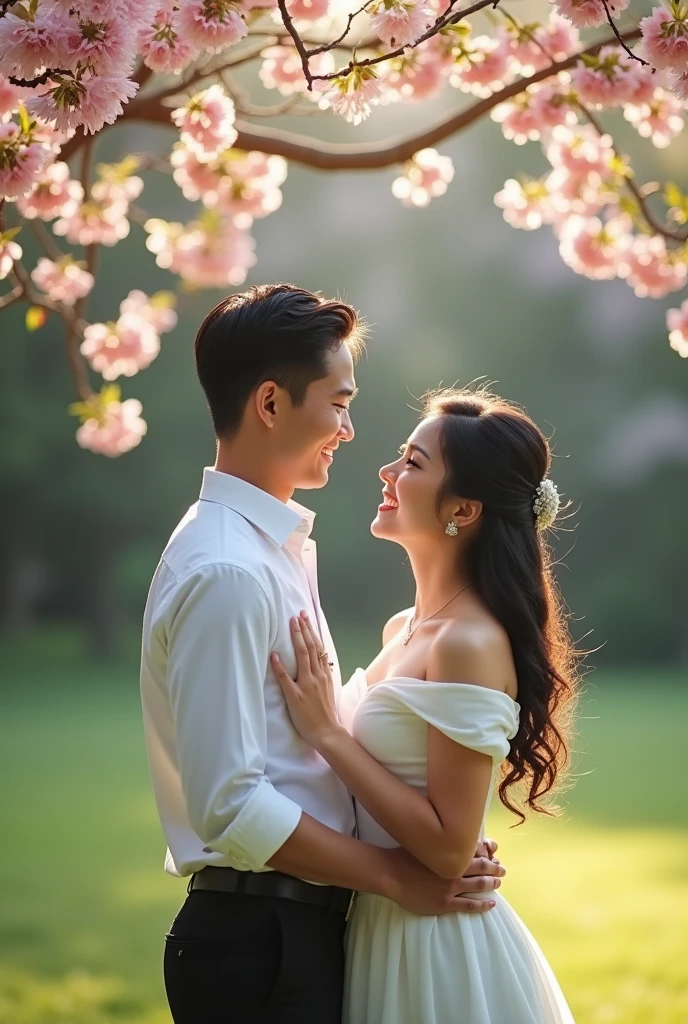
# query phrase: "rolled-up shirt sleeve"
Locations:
[[218, 638]]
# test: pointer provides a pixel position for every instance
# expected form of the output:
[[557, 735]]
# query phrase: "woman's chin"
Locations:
[[378, 527]]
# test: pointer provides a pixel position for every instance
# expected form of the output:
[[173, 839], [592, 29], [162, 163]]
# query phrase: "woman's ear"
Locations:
[[467, 512]]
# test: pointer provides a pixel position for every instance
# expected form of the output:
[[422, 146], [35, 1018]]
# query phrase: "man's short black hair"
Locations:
[[269, 332]]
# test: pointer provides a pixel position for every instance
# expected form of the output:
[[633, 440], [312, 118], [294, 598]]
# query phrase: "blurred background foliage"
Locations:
[[452, 294]]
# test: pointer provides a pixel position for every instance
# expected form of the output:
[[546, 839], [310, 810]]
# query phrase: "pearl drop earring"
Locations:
[[451, 529]]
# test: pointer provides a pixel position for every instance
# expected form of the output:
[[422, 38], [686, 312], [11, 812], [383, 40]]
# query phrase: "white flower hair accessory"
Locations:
[[546, 504]]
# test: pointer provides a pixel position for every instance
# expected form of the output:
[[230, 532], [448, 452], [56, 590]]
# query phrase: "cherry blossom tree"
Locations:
[[71, 70]]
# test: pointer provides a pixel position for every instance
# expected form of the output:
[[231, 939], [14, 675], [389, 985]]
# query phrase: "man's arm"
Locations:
[[219, 639]]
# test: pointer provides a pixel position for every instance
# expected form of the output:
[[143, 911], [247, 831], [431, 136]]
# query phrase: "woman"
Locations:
[[480, 674]]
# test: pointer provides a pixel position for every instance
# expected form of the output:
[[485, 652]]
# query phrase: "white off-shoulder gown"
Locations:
[[456, 968]]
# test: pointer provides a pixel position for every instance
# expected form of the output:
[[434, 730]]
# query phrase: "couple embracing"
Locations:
[[333, 835]]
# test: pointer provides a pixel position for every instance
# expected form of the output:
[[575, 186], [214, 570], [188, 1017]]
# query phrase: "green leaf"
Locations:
[[7, 236], [163, 300], [24, 119], [673, 194], [675, 198], [21, 12], [36, 316]]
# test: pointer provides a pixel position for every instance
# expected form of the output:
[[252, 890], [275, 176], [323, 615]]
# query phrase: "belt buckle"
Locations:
[[349, 909]]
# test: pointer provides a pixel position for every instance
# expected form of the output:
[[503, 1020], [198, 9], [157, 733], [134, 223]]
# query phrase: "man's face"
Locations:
[[310, 434]]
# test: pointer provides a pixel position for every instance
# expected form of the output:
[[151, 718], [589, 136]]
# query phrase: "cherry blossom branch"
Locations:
[[335, 42], [28, 83], [46, 239], [245, 108], [74, 329], [615, 30], [637, 191], [206, 71], [298, 42], [11, 297], [448, 18], [309, 152]]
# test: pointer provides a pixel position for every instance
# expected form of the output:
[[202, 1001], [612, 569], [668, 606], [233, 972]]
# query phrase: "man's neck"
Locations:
[[233, 459]]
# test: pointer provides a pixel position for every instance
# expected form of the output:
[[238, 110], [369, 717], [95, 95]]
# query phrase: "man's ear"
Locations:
[[266, 400]]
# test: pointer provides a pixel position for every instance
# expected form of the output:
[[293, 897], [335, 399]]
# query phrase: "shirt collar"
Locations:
[[275, 518]]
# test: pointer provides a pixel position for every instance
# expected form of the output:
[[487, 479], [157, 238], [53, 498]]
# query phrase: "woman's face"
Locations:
[[411, 483]]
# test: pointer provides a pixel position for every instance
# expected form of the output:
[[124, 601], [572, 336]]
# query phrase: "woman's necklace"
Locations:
[[413, 625]]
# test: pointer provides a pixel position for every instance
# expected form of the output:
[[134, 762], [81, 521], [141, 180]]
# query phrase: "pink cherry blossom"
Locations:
[[117, 182], [122, 348], [561, 38], [29, 45], [210, 253], [590, 247], [135, 13], [308, 10], [519, 121], [117, 430], [401, 22], [650, 269], [645, 83], [533, 113], [95, 222], [157, 310], [665, 37], [282, 69], [64, 281], [107, 47], [577, 195], [162, 47], [580, 150], [660, 120], [526, 205], [608, 79], [206, 121], [55, 194], [552, 104], [10, 252], [21, 160], [678, 84], [194, 176], [588, 13], [211, 25], [677, 325], [10, 97], [249, 184], [532, 49], [92, 102], [425, 176], [418, 73], [353, 95], [482, 67]]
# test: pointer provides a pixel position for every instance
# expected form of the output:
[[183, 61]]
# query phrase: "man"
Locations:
[[254, 816]]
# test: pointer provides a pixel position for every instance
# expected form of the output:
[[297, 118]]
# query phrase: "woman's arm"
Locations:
[[440, 830]]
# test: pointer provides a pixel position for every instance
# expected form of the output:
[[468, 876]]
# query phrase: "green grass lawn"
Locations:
[[85, 902]]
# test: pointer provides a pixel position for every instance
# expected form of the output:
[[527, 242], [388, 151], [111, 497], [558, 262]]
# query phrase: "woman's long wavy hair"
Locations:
[[495, 454]]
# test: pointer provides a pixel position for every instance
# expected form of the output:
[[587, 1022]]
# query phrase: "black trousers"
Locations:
[[241, 959]]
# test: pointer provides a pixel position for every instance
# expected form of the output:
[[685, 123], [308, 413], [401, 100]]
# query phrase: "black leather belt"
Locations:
[[272, 883]]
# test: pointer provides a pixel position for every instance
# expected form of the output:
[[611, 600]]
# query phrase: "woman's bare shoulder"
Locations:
[[477, 651]]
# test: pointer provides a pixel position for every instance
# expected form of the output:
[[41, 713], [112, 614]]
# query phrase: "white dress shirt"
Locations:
[[230, 773]]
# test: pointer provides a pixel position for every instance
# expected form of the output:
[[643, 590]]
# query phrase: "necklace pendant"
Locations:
[[409, 634]]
